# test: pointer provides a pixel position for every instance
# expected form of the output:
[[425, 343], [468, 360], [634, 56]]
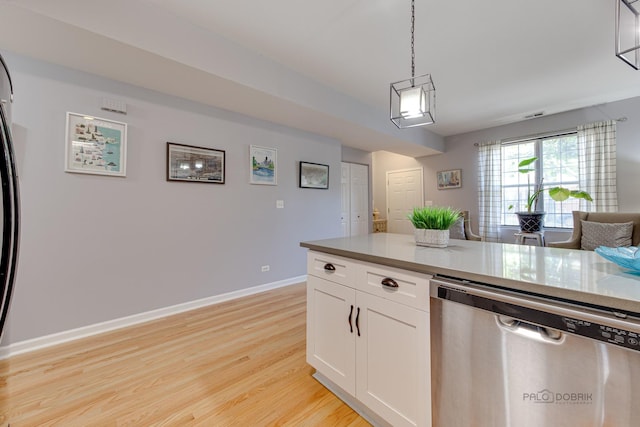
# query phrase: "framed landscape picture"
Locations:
[[314, 175], [449, 179], [187, 163], [95, 146], [263, 165]]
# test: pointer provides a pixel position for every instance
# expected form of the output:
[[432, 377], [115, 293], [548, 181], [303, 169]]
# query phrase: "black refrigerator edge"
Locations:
[[10, 198]]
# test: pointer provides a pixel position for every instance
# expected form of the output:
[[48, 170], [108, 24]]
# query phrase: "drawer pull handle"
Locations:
[[358, 321], [389, 283], [329, 267], [351, 314]]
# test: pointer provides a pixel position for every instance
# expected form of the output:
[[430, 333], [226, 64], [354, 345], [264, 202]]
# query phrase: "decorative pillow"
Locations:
[[456, 231], [612, 235]]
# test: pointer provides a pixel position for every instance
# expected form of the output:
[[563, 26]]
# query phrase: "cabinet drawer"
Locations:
[[394, 284], [332, 267]]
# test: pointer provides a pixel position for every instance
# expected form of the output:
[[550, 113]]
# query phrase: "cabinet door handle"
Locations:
[[351, 314], [329, 267], [358, 321], [389, 283]]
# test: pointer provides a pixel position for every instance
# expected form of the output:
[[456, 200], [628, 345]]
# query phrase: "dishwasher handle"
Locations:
[[529, 330]]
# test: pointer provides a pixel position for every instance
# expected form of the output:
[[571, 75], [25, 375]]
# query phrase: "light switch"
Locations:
[[280, 204]]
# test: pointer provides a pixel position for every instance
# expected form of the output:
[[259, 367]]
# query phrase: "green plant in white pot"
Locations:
[[531, 219], [432, 225]]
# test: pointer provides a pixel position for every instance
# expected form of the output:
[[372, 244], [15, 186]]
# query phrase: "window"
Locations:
[[557, 165], [586, 155]]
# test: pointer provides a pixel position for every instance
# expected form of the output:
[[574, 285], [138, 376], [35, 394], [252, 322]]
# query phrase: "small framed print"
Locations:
[[187, 163], [314, 175], [449, 179], [263, 165], [95, 146]]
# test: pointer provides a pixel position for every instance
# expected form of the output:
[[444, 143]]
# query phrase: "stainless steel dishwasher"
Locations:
[[507, 359]]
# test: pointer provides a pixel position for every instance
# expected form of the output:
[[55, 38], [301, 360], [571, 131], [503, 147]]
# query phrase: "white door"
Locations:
[[354, 203], [392, 361], [404, 192], [359, 199], [331, 331], [344, 199]]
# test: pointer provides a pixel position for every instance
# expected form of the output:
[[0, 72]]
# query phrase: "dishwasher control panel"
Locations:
[[604, 333], [539, 313]]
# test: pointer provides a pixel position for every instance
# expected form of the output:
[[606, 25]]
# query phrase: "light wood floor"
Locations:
[[239, 363]]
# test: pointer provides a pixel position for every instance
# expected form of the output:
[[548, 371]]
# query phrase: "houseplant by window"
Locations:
[[532, 220], [432, 225]]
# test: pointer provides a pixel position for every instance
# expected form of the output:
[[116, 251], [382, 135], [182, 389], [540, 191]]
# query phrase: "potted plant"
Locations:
[[531, 220], [432, 225]]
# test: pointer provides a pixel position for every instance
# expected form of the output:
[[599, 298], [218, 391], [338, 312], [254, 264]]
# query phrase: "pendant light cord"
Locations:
[[413, 53]]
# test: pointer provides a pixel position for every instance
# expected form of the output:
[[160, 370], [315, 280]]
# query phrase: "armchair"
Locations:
[[605, 217], [466, 226]]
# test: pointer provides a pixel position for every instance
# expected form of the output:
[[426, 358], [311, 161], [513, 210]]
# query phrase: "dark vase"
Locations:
[[530, 221]]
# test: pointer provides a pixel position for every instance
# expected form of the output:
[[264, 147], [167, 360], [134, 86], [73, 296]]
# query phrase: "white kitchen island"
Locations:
[[368, 308]]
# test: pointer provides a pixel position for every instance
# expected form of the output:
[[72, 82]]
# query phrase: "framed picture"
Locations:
[[314, 175], [96, 146], [449, 179], [263, 165], [187, 163]]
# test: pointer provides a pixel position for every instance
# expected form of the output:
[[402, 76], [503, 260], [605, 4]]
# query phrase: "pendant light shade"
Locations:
[[412, 102], [628, 32]]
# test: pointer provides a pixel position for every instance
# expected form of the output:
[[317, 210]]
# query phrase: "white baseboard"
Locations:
[[123, 322]]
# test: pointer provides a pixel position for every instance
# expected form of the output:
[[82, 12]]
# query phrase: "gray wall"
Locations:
[[354, 155], [462, 154], [97, 248]]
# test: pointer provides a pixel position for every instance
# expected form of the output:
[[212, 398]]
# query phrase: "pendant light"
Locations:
[[628, 32], [413, 101]]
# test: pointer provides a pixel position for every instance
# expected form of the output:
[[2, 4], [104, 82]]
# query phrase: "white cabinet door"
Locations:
[[393, 361], [331, 333]]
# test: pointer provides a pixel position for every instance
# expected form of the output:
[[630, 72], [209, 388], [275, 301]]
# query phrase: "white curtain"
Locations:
[[597, 162], [490, 190]]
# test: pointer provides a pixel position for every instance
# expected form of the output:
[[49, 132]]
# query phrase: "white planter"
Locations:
[[432, 238]]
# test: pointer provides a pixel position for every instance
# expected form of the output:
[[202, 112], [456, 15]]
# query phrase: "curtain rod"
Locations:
[[544, 134]]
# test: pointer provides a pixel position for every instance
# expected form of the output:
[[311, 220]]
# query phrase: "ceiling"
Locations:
[[326, 66]]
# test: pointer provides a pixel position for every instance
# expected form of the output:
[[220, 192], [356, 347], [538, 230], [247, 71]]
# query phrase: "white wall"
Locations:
[[96, 248], [462, 154]]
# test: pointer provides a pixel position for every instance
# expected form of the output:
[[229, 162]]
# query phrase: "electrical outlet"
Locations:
[[265, 268], [280, 204]]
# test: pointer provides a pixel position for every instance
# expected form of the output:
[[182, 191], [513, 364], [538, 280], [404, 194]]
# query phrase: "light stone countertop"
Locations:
[[575, 275]]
